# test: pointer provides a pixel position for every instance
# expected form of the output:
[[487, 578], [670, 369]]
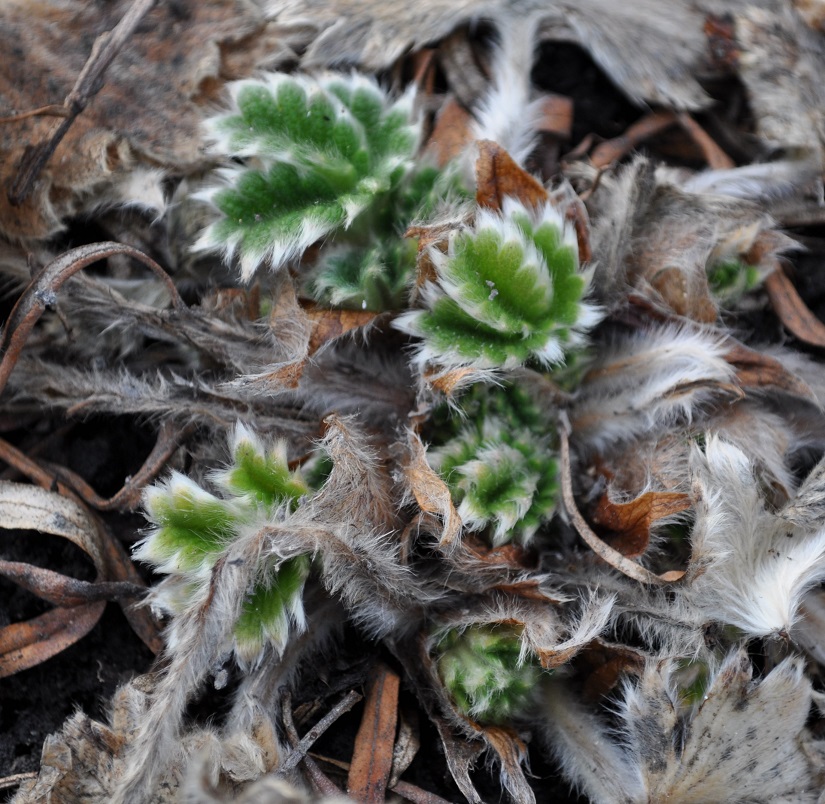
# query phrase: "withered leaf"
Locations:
[[146, 116], [602, 664], [757, 370], [430, 491], [631, 521], [650, 56], [452, 132], [792, 311], [24, 645], [328, 325], [498, 175]]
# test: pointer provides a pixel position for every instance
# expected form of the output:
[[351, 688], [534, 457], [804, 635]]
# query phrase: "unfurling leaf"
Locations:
[[485, 671], [193, 528], [508, 291], [500, 465]]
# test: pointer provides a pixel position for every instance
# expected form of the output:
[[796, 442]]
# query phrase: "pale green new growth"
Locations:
[[323, 155], [194, 527], [730, 279], [500, 465], [508, 291], [484, 670], [371, 278]]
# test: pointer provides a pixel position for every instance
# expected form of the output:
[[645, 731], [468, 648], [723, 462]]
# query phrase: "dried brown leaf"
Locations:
[[372, 756], [452, 133], [511, 752], [430, 491], [631, 521], [498, 175], [27, 644], [757, 370], [24, 645], [603, 664], [328, 325], [792, 311], [147, 115], [604, 551]]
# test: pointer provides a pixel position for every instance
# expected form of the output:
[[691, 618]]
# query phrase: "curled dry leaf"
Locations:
[[498, 176], [600, 548], [792, 311], [24, 645], [631, 521], [430, 491]]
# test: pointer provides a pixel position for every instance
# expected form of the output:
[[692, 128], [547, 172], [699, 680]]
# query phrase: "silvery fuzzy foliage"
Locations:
[[499, 463], [509, 290], [744, 740], [484, 667], [649, 380], [325, 157], [193, 528], [324, 151], [751, 567]]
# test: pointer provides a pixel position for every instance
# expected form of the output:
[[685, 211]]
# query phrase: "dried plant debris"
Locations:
[[145, 121], [538, 448]]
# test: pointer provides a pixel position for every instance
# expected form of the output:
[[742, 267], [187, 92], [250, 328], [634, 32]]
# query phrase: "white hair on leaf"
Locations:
[[729, 746], [506, 114], [651, 379], [750, 568]]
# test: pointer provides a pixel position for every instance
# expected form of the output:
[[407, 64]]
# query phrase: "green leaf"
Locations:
[[508, 291], [274, 603], [374, 278], [192, 527], [499, 463], [729, 280], [321, 153], [483, 669], [261, 474]]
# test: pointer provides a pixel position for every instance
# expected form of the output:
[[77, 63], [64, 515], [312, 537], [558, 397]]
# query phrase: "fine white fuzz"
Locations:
[[743, 741], [506, 115], [652, 379], [751, 568]]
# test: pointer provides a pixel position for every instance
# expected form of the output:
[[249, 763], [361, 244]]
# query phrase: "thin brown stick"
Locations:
[[51, 110], [66, 481], [405, 789], [649, 126], [604, 551], [716, 158], [16, 779], [319, 779], [87, 85], [299, 751]]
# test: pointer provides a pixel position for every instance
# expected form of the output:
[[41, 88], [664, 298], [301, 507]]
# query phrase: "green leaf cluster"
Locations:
[[329, 157], [193, 527], [508, 291], [484, 670], [498, 459]]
